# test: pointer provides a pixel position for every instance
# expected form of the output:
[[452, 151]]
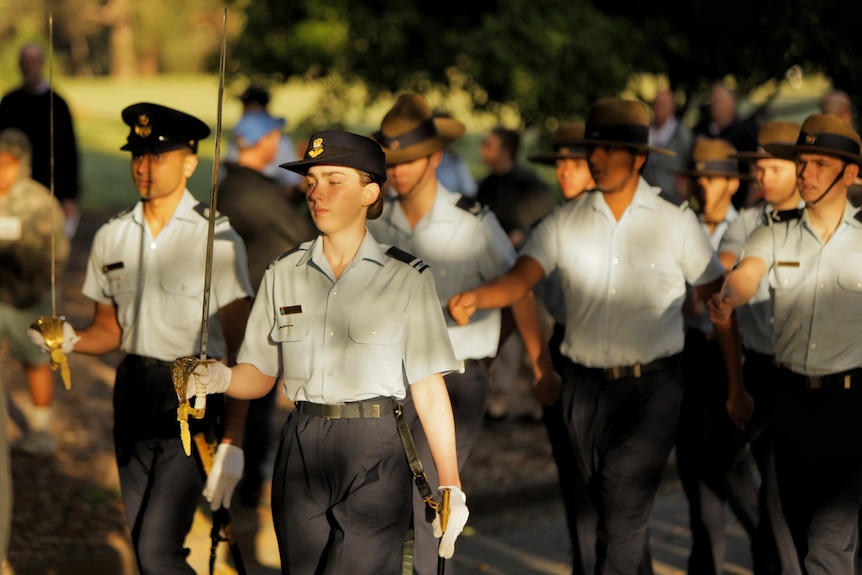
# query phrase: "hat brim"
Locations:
[[448, 130], [550, 158], [790, 151], [155, 147], [346, 160], [713, 174], [620, 144]]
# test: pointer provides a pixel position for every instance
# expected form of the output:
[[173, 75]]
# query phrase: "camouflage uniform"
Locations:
[[25, 262]]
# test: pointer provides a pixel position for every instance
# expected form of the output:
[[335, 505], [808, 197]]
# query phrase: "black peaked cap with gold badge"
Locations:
[[340, 148], [156, 129]]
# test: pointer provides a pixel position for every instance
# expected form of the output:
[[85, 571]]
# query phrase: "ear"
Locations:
[[851, 172], [370, 192], [190, 164], [732, 185]]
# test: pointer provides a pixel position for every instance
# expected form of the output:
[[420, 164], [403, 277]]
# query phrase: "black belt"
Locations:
[[842, 380], [365, 409], [146, 361], [629, 371]]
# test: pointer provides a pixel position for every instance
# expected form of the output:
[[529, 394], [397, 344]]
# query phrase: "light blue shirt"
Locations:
[[816, 291], [465, 250], [624, 281], [157, 283], [369, 333]]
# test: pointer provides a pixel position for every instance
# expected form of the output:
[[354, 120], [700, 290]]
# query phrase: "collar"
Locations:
[[369, 250], [185, 210]]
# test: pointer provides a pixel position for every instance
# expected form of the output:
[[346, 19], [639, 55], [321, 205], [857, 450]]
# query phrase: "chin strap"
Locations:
[[835, 181]]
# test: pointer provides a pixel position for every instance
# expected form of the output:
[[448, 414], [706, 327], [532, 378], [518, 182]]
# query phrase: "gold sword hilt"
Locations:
[[182, 369], [51, 330]]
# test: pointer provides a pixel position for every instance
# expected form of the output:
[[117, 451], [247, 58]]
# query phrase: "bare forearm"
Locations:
[[435, 412], [510, 287], [526, 314], [236, 411]]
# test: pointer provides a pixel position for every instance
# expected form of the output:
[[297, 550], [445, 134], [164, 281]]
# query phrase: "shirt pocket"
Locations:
[[848, 299], [120, 286], [657, 281], [785, 277], [293, 333], [183, 298], [374, 353]]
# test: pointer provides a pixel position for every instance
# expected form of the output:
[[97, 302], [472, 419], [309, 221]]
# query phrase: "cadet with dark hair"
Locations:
[[145, 275], [350, 324], [625, 253]]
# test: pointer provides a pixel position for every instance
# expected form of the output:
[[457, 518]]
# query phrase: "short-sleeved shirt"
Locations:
[[702, 322], [624, 281], [157, 284], [816, 292], [369, 333], [755, 318], [465, 247]]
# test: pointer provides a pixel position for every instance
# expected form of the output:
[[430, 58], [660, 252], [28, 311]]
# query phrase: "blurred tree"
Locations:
[[550, 58]]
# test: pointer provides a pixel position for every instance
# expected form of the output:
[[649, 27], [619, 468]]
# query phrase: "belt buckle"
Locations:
[[814, 382], [331, 411], [612, 373]]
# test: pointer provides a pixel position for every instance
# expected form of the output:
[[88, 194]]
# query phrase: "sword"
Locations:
[[51, 328], [221, 517], [182, 368]]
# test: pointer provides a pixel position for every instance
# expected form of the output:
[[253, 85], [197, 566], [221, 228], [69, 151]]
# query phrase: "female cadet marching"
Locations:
[[349, 322]]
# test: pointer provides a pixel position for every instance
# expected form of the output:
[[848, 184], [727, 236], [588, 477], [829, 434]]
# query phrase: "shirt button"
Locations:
[[442, 273], [822, 285], [813, 346], [329, 373], [615, 260], [335, 292], [331, 333], [152, 245], [612, 291]]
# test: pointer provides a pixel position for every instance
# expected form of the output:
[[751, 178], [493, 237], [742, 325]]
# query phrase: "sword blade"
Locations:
[[205, 316]]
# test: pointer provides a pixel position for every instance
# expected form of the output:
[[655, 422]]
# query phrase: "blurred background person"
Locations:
[[269, 225], [28, 108], [26, 215], [256, 99], [453, 172], [668, 132]]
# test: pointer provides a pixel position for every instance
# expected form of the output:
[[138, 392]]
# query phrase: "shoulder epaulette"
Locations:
[[674, 199], [408, 259], [858, 216], [783, 215], [204, 210], [471, 205], [119, 215], [292, 250]]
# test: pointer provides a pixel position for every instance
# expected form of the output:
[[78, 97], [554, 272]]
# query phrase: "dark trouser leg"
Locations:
[[161, 488], [819, 472], [581, 515], [714, 462], [623, 431], [467, 392], [340, 496]]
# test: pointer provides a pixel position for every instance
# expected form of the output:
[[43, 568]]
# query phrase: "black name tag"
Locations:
[[111, 267], [290, 309]]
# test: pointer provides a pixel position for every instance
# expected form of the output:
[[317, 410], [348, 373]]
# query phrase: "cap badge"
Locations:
[[810, 139], [565, 150], [700, 166], [316, 148], [143, 128]]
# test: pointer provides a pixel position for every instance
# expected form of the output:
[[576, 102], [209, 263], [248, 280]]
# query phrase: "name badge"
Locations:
[[290, 309], [10, 228], [111, 267], [787, 264]]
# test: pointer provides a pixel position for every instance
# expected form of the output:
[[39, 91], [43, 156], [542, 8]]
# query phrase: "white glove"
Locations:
[[227, 469], [213, 374], [458, 514], [70, 338]]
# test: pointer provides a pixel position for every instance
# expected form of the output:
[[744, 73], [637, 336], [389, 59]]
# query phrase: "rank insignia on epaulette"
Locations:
[[407, 258]]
